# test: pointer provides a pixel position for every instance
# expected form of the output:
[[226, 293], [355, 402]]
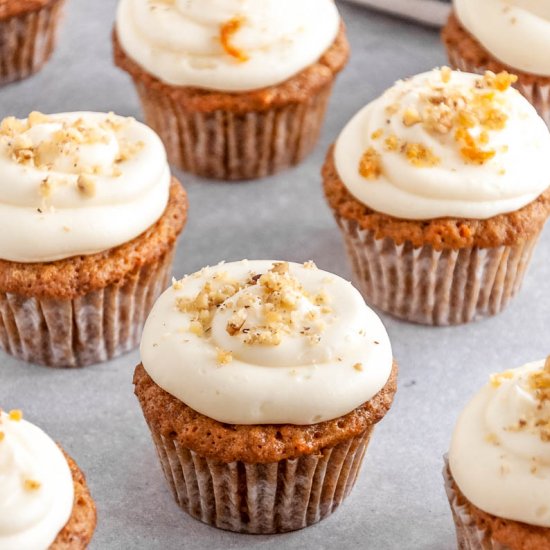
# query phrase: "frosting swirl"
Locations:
[[517, 32], [227, 45], [262, 342], [446, 143], [500, 451], [36, 486], [77, 183]]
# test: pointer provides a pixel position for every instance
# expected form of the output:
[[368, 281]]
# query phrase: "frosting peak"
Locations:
[[227, 45], [500, 452], [77, 183], [266, 342], [446, 143], [36, 487]]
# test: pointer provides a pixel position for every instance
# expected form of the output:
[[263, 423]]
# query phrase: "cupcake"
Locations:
[[236, 89], [89, 217], [496, 35], [44, 500], [261, 383], [498, 472], [28, 31], [440, 187]]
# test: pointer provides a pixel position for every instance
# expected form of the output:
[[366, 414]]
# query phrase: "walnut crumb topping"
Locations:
[[15, 415], [86, 185], [223, 357], [358, 367], [59, 151], [31, 485], [465, 116], [498, 378], [537, 421], [269, 309], [370, 166]]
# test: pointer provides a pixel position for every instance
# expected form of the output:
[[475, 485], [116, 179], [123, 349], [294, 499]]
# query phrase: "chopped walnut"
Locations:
[[15, 415], [86, 185], [31, 485], [498, 378], [223, 357], [370, 166], [446, 74], [420, 155], [411, 117]]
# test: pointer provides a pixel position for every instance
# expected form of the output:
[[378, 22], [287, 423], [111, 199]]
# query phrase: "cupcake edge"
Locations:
[[436, 272], [67, 314], [467, 54], [478, 530], [239, 136], [78, 531], [261, 486], [34, 31]]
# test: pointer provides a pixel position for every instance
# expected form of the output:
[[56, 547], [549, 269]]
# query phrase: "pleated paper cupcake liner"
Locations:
[[235, 146], [27, 41], [88, 329], [433, 287], [468, 535], [537, 94], [261, 498]]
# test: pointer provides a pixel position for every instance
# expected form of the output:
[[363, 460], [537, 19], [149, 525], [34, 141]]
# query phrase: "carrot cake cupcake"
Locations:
[[440, 187], [89, 217], [498, 475], [28, 31], [261, 383], [45, 503], [236, 89], [500, 35]]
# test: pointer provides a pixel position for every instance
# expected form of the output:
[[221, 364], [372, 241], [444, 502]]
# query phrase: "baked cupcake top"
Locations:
[[516, 32], [226, 45], [446, 143], [36, 485], [263, 342], [500, 451], [77, 183]]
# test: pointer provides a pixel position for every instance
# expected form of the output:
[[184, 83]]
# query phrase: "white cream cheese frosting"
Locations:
[[516, 32], [500, 450], [36, 486], [77, 183], [446, 143], [263, 342], [226, 45]]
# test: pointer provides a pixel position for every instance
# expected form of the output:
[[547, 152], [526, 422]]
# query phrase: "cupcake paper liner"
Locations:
[[88, 329], [261, 498], [235, 146], [537, 94], [468, 535], [435, 287], [27, 41]]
